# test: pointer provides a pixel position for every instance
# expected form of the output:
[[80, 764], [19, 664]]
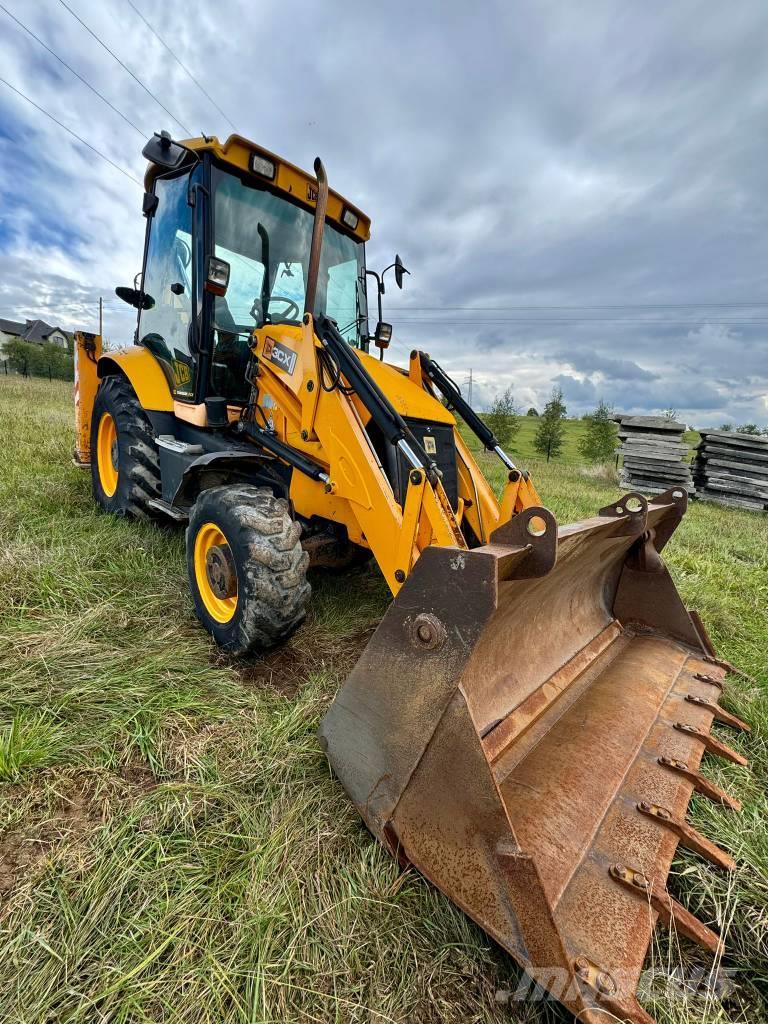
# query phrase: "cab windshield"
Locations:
[[266, 241]]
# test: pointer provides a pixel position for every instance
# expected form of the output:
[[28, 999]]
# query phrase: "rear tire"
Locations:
[[247, 569], [125, 465]]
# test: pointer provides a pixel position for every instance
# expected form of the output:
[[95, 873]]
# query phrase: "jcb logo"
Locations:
[[280, 355], [182, 374]]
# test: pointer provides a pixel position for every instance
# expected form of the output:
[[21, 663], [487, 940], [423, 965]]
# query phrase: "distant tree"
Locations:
[[598, 444], [726, 426], [39, 360], [551, 429], [532, 412], [749, 428], [669, 414], [503, 418]]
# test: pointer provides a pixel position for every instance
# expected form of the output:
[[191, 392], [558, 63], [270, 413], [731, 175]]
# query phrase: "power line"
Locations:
[[124, 66], [73, 134], [183, 66], [495, 321], [75, 73], [626, 305]]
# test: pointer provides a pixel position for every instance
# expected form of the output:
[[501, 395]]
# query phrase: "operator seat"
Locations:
[[230, 354]]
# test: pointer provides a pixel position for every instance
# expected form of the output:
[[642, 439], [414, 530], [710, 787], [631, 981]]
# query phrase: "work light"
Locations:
[[217, 276], [350, 218], [262, 166], [383, 334]]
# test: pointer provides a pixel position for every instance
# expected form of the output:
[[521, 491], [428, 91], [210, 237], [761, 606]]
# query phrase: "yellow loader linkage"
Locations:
[[527, 723]]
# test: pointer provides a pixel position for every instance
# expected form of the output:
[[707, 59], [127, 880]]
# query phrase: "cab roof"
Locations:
[[239, 152]]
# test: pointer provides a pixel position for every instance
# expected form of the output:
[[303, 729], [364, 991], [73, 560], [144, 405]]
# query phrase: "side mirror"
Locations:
[[383, 335], [164, 152], [399, 271], [135, 298]]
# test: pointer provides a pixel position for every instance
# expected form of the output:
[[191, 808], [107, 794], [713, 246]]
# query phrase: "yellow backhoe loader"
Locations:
[[527, 723]]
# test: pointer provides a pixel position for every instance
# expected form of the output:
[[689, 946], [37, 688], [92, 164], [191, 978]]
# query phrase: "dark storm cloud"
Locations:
[[608, 366], [566, 157]]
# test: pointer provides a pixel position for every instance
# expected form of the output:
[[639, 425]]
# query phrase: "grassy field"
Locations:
[[173, 846]]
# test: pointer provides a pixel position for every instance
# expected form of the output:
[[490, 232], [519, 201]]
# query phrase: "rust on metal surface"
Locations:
[[672, 913], [510, 732], [712, 744], [703, 677], [688, 836], [720, 713], [731, 669], [504, 732], [700, 783]]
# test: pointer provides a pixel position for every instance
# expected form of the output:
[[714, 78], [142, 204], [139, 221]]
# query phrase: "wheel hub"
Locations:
[[220, 570]]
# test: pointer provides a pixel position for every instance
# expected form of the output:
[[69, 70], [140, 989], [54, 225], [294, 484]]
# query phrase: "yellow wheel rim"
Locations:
[[209, 536], [106, 454]]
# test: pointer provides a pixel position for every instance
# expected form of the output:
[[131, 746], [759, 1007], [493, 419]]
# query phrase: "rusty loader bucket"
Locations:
[[526, 727]]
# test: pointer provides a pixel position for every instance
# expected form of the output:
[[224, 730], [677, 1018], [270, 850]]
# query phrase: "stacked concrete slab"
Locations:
[[732, 469], [655, 457]]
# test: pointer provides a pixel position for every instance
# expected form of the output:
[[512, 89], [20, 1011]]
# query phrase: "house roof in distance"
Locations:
[[36, 331]]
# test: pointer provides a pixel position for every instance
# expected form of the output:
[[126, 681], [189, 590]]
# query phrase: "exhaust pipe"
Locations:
[[321, 206]]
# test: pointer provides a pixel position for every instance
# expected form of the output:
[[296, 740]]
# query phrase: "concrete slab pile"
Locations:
[[732, 469], [654, 454]]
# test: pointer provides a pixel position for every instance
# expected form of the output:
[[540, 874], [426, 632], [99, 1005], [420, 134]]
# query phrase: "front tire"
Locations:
[[247, 569], [125, 465]]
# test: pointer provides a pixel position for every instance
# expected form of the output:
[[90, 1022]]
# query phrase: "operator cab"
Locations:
[[265, 238], [227, 250]]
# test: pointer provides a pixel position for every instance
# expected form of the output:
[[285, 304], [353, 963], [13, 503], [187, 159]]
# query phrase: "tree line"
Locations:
[[45, 360], [597, 444]]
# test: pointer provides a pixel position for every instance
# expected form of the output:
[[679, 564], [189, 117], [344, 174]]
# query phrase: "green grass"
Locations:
[[522, 447], [173, 846]]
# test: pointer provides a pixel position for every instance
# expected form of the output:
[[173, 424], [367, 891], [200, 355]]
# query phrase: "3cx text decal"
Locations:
[[280, 355]]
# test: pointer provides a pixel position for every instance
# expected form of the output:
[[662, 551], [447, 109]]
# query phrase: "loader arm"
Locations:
[[323, 400], [328, 422]]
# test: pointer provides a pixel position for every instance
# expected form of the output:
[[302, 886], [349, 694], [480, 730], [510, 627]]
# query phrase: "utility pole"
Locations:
[[101, 318], [468, 382]]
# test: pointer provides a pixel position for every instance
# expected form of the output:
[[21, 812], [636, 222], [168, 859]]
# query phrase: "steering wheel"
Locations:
[[292, 310]]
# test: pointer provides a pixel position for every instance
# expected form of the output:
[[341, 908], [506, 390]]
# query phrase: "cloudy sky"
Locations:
[[578, 189]]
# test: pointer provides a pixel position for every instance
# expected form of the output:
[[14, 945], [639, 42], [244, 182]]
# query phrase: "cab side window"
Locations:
[[165, 328]]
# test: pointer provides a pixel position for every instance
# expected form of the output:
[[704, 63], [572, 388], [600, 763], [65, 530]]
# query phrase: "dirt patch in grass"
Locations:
[[287, 668], [283, 670], [60, 812]]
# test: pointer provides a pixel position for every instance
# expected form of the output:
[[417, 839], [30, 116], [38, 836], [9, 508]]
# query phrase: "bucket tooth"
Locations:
[[720, 713], [701, 784], [703, 677], [712, 744], [688, 836], [672, 913], [730, 668], [599, 987]]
